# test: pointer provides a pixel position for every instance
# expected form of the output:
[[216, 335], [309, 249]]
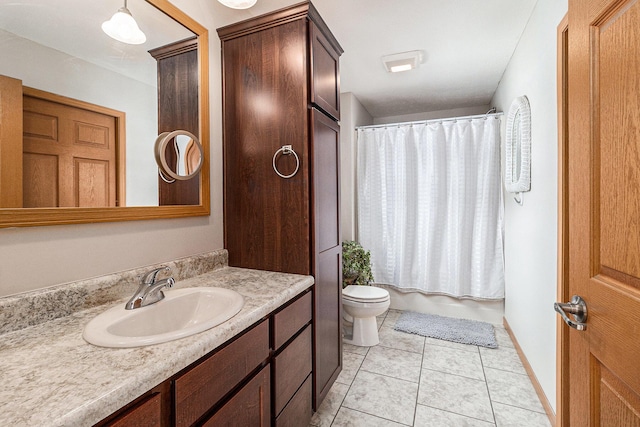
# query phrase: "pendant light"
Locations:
[[238, 4], [123, 27]]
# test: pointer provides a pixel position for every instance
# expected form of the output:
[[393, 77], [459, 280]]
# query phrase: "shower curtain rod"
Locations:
[[420, 122]]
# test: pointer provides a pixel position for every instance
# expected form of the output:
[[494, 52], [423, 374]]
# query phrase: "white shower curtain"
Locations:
[[430, 206]]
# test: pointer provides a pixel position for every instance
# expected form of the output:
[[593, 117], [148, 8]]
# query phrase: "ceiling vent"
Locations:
[[404, 61]]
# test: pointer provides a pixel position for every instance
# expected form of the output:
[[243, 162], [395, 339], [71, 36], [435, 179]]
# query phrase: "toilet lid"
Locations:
[[365, 293]]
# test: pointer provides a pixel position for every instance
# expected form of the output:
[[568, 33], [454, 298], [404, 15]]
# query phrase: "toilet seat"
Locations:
[[365, 294]]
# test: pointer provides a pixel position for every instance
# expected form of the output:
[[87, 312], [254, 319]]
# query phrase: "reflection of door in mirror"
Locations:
[[178, 109], [69, 154], [64, 152]]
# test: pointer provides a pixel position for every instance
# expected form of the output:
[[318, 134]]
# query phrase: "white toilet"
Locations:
[[363, 304]]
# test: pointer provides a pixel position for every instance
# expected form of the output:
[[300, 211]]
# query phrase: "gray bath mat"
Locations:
[[447, 328]]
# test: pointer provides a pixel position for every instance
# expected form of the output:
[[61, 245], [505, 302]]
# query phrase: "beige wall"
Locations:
[[531, 229], [352, 115], [37, 257]]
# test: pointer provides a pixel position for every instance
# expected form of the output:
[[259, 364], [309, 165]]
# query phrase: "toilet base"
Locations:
[[365, 332]]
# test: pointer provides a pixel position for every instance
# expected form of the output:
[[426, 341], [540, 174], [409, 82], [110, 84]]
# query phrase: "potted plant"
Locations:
[[356, 264]]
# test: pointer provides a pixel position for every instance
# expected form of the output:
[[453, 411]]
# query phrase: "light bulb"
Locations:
[[238, 4], [124, 28]]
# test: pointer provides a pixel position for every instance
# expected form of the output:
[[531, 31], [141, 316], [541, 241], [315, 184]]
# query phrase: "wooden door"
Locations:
[[604, 211], [69, 155]]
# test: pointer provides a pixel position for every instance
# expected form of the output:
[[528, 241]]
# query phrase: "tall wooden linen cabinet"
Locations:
[[281, 162]]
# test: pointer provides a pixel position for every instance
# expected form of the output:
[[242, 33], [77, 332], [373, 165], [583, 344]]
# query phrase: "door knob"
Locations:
[[576, 307]]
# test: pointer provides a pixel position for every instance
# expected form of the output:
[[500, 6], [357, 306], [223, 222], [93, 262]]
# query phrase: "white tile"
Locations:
[[512, 389], [330, 405], [401, 340], [392, 362], [432, 417], [450, 344], [382, 396], [453, 361], [391, 318], [502, 336], [453, 393], [350, 418], [349, 348], [350, 364], [379, 322], [507, 416], [504, 358]]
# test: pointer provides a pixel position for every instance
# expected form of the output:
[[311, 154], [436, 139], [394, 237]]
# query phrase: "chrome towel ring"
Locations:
[[286, 150]]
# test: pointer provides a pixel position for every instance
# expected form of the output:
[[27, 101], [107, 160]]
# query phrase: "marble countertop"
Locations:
[[52, 377]]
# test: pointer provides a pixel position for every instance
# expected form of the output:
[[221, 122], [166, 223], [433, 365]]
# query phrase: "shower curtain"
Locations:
[[429, 206]]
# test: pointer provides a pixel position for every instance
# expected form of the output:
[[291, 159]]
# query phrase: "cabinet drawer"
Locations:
[[290, 320], [291, 367], [298, 411], [249, 407], [146, 414], [205, 384]]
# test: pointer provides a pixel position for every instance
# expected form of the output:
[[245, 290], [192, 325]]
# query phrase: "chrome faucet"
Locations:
[[150, 290]]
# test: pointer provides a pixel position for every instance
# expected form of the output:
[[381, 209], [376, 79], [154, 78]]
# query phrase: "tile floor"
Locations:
[[409, 380]]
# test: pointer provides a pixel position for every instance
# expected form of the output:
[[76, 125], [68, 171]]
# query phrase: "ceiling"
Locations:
[[73, 27], [467, 44]]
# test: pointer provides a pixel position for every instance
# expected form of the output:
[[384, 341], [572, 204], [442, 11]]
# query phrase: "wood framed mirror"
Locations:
[[127, 167]]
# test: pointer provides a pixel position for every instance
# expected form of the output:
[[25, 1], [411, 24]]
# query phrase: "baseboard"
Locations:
[[536, 385]]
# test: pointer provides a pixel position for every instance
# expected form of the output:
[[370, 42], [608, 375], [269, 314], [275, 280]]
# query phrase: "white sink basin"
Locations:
[[181, 313]]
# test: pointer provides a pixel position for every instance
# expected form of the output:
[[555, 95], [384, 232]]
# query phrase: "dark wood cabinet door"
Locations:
[[199, 389], [147, 414], [251, 406], [266, 216], [328, 253], [292, 366], [298, 411], [328, 337], [326, 181], [325, 73]]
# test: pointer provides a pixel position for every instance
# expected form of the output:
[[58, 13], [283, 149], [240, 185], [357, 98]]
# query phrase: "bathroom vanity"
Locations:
[[254, 369], [261, 374]]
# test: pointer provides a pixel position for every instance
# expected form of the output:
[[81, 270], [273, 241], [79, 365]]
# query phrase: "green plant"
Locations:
[[356, 264]]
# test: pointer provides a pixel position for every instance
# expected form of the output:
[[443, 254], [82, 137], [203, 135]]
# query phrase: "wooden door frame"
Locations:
[[11, 146], [562, 334]]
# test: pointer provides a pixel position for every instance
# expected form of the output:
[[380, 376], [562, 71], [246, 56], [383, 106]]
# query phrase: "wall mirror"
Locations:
[[518, 147], [178, 155], [79, 91]]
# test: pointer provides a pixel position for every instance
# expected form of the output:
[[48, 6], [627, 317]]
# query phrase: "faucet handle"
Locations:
[[150, 277]]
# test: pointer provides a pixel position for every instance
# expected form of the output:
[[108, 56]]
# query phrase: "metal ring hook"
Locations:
[[286, 150]]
